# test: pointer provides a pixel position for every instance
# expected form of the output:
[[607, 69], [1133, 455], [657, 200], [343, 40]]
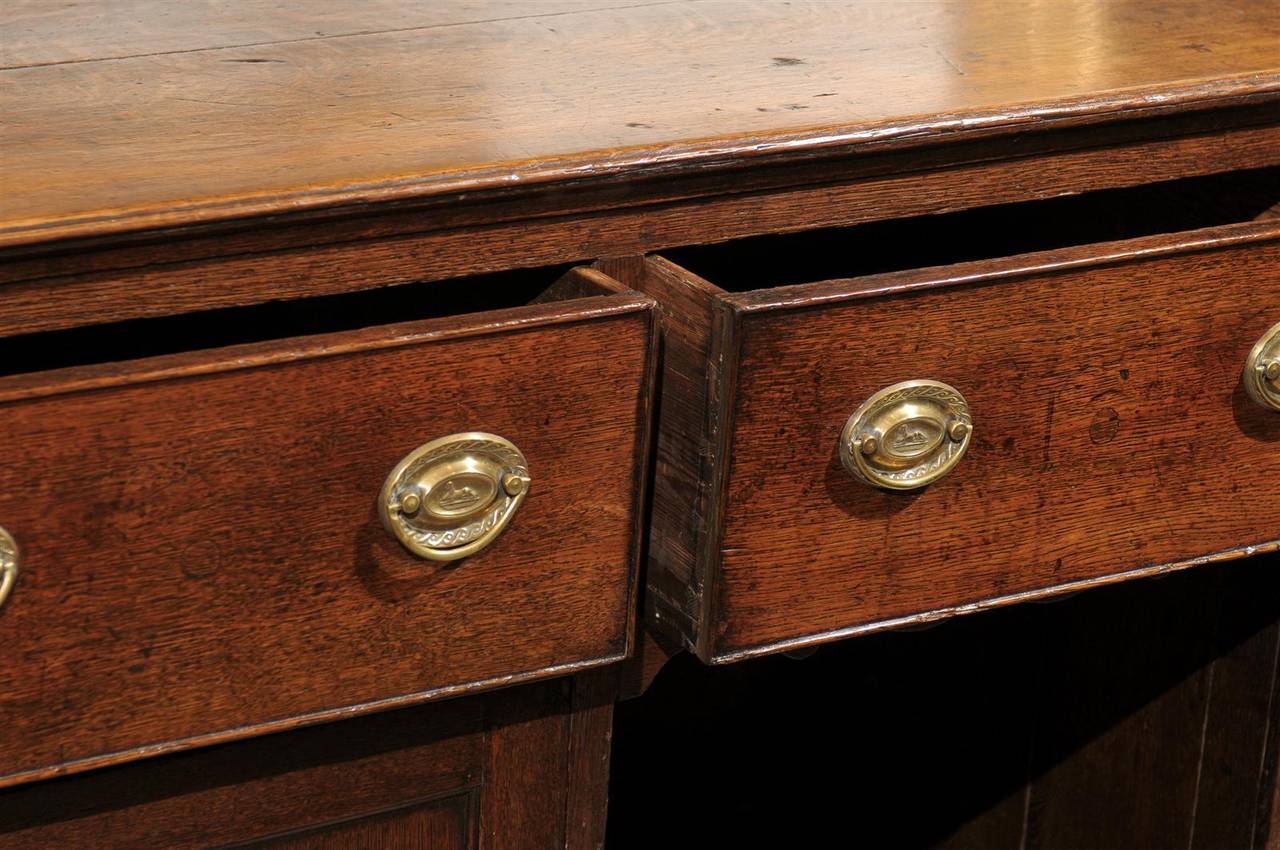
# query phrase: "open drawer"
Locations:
[[1100, 428], [208, 541]]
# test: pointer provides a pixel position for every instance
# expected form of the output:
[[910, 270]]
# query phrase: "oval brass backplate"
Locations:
[[8, 564], [1262, 370], [453, 496], [907, 435]]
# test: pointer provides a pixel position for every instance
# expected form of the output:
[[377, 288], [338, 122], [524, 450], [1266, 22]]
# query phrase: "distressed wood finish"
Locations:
[[1104, 384], [488, 771], [202, 558], [938, 138], [689, 443], [421, 101], [204, 564]]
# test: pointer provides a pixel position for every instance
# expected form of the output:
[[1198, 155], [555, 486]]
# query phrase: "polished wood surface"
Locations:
[[1096, 415], [486, 773], [221, 569], [364, 200], [1111, 433], [120, 120], [106, 280]]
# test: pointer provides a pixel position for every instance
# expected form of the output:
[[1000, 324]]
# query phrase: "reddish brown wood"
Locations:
[[264, 787], [651, 654], [201, 555], [430, 776], [590, 736], [527, 773], [202, 560], [130, 129], [438, 824], [1045, 499], [175, 271], [688, 447]]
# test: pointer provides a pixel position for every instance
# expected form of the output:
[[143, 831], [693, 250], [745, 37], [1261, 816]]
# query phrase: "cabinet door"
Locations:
[[435, 825], [518, 768]]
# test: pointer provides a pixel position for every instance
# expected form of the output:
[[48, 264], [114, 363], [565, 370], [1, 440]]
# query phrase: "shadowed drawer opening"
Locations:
[[984, 233], [140, 338]]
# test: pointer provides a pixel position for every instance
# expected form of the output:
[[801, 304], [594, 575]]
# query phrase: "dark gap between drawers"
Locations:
[[984, 233], [139, 338]]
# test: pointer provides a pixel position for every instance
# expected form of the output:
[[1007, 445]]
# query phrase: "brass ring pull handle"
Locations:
[[453, 496], [8, 565], [1262, 370], [907, 435]]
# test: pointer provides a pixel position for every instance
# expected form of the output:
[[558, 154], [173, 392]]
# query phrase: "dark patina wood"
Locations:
[[202, 558], [202, 561], [1104, 382], [492, 771]]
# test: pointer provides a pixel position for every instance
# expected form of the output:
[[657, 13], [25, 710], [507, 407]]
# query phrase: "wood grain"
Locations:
[[270, 786], [688, 444], [223, 571], [1105, 386], [429, 776], [40, 34], [590, 737], [527, 773], [1107, 400], [203, 133], [63, 285]]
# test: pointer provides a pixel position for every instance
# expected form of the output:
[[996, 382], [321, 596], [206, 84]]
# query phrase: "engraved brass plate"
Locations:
[[907, 435], [453, 496], [8, 564], [1262, 370]]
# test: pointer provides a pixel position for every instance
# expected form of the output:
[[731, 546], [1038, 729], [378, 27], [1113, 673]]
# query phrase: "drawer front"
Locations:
[[201, 550], [1111, 433]]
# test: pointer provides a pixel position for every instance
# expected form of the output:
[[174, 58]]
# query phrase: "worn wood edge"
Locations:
[[637, 673], [311, 718], [553, 239], [1003, 269], [726, 351], [596, 280], [676, 621], [521, 204], [696, 155], [695, 280], [645, 444], [940, 614], [294, 349]]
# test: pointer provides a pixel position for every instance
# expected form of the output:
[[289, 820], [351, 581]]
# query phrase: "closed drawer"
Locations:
[[1111, 435], [202, 555]]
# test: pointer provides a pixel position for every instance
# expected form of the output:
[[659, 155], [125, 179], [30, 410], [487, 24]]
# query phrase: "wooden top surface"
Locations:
[[134, 114]]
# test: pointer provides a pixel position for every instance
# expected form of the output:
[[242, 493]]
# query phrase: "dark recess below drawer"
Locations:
[[1134, 716]]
